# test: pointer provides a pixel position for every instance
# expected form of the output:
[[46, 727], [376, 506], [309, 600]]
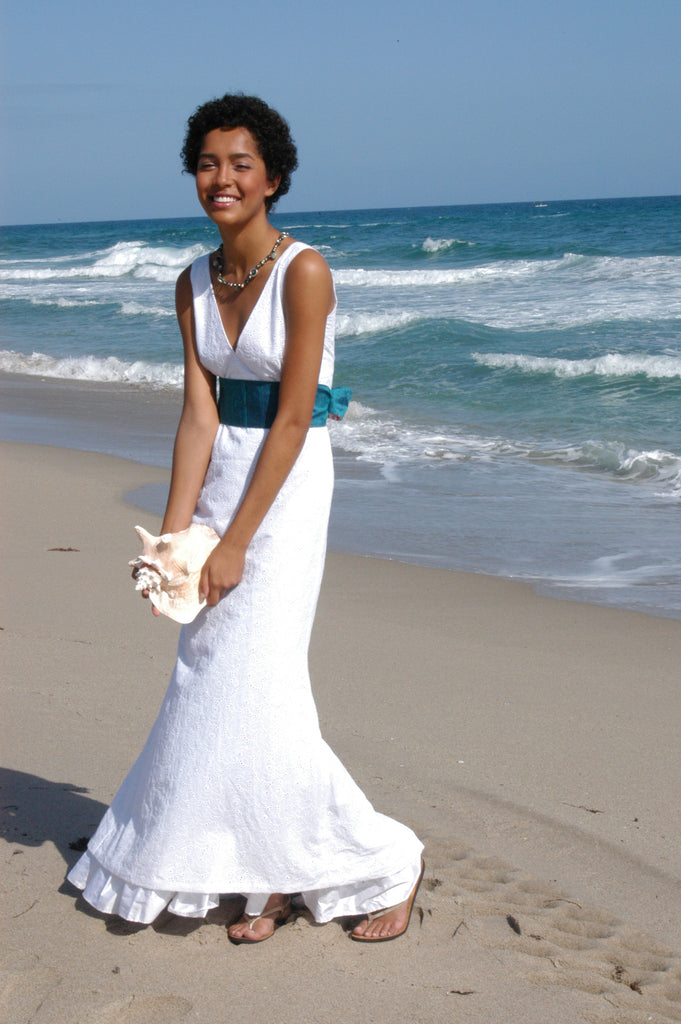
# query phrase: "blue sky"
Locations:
[[391, 103]]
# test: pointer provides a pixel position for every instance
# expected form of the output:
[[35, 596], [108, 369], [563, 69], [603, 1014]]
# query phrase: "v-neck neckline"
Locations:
[[236, 344]]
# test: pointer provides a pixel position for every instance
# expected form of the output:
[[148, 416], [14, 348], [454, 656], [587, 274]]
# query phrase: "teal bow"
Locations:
[[330, 403]]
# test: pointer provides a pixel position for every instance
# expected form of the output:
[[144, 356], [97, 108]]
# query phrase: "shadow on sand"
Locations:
[[37, 811]]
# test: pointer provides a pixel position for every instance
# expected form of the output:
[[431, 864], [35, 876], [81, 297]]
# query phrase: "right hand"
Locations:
[[222, 572]]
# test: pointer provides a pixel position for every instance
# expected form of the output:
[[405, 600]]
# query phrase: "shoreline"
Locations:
[[370, 516], [531, 742]]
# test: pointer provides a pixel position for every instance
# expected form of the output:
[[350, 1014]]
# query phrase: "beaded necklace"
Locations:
[[219, 264]]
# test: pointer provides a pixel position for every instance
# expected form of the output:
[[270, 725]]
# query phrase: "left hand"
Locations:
[[222, 571]]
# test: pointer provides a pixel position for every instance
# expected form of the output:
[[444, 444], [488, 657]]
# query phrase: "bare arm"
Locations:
[[198, 422], [308, 299]]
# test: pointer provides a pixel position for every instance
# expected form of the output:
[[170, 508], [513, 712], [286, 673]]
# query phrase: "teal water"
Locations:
[[516, 373]]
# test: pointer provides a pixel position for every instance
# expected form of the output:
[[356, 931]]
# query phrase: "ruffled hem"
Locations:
[[363, 897], [112, 895]]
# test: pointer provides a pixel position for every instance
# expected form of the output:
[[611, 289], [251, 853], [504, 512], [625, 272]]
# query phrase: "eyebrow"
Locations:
[[232, 156]]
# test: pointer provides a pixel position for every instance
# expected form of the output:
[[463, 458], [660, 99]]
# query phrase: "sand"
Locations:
[[532, 743]]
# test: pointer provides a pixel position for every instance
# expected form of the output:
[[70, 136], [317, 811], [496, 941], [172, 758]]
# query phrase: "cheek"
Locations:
[[202, 188]]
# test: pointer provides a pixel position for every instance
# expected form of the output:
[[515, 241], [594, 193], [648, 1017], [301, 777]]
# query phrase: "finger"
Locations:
[[204, 585], [154, 611]]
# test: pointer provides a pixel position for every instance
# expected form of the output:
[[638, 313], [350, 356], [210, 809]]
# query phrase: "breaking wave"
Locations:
[[611, 365], [108, 370], [433, 245]]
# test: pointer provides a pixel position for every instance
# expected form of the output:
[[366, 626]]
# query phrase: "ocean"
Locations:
[[516, 376]]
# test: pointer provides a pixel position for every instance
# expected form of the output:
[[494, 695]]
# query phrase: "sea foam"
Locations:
[[433, 245], [371, 436], [107, 370], [124, 259], [613, 364], [352, 324]]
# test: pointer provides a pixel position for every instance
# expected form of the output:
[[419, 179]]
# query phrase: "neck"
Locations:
[[245, 246]]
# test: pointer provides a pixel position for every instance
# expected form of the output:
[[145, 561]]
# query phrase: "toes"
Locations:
[[252, 931], [383, 927], [241, 928]]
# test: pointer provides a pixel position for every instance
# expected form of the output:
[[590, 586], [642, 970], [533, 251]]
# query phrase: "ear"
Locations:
[[273, 185]]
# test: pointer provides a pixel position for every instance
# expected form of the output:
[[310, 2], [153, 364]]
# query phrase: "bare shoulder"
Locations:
[[308, 274], [184, 296], [183, 286], [309, 267]]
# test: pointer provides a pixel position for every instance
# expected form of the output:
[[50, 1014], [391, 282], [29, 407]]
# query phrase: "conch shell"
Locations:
[[170, 566]]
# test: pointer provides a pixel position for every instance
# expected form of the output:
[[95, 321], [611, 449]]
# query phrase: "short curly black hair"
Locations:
[[269, 129]]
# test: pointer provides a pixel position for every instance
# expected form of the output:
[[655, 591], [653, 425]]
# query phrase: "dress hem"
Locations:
[[110, 894]]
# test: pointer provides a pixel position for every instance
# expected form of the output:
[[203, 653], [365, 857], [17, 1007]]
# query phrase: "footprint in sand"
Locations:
[[557, 941]]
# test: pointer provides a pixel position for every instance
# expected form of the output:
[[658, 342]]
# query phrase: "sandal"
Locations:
[[282, 913], [386, 910]]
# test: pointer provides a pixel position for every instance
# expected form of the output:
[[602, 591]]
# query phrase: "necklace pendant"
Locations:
[[218, 265]]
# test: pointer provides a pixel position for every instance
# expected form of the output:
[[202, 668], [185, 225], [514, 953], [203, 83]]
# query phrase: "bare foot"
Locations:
[[389, 925], [382, 925], [257, 929]]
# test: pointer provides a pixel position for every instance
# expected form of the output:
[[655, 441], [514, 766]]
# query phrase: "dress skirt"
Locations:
[[235, 790]]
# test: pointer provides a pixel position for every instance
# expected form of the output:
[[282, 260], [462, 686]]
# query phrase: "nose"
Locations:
[[224, 175]]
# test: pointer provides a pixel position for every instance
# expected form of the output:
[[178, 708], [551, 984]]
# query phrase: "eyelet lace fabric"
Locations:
[[235, 790]]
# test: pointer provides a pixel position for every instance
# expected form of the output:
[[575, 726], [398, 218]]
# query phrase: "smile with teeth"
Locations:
[[225, 200]]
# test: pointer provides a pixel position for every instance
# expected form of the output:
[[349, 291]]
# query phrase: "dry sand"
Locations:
[[532, 743]]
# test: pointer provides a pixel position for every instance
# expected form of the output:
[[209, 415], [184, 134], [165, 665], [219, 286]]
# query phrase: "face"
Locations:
[[231, 179]]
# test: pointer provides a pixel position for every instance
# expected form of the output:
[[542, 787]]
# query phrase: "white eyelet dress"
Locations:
[[235, 790]]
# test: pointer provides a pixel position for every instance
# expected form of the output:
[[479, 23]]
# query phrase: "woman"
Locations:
[[235, 790]]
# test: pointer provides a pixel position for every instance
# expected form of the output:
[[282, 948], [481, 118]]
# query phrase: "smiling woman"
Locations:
[[232, 184], [267, 129], [222, 799]]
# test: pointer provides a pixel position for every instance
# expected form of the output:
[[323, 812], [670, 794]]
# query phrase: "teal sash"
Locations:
[[253, 403]]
